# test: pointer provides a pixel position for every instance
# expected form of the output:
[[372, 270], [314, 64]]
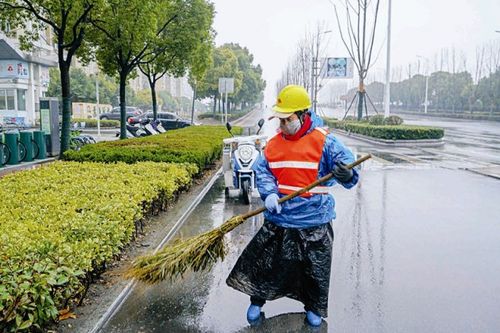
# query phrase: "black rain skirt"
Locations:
[[287, 262]]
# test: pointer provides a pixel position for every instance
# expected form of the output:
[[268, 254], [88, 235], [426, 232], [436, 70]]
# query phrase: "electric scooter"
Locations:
[[239, 156]]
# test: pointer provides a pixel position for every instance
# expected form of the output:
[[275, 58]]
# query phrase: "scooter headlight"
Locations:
[[246, 153]]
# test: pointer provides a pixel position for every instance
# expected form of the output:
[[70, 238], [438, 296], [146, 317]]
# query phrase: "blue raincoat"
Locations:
[[319, 209]]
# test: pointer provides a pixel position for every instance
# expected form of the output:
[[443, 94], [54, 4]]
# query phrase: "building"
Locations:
[[177, 87], [24, 78]]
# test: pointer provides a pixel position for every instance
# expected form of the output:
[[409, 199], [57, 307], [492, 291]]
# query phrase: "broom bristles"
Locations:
[[196, 253]]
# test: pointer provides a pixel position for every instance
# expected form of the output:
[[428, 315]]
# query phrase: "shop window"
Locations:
[[3, 100], [11, 97], [21, 99]]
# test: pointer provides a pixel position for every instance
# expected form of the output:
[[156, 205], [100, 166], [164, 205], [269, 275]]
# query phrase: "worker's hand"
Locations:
[[272, 204], [341, 172]]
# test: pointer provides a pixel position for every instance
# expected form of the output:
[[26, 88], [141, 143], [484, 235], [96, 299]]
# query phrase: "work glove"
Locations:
[[341, 172], [272, 204]]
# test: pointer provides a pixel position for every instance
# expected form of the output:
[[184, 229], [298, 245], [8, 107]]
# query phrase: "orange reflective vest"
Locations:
[[295, 164]]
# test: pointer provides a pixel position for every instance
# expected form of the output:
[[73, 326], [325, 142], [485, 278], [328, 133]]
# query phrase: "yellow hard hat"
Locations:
[[291, 99]]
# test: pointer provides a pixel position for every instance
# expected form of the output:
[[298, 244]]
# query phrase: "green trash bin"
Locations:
[[4, 152], [27, 141], [11, 142], [40, 146]]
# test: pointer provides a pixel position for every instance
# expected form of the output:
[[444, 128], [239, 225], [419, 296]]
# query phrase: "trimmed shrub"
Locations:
[[200, 145], [401, 132], [62, 222], [376, 120], [218, 116], [93, 122], [393, 120], [350, 118]]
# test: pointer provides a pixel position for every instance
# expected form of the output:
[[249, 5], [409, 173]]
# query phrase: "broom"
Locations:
[[202, 251]]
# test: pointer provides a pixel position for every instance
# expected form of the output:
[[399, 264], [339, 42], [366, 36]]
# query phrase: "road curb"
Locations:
[[7, 169], [127, 290], [391, 143]]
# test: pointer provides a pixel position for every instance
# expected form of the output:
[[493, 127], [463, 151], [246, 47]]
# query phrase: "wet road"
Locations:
[[416, 249]]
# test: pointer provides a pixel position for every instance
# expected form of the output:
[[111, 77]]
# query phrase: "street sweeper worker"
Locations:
[[291, 254]]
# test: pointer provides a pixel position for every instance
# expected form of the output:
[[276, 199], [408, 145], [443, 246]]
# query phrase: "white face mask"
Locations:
[[292, 127]]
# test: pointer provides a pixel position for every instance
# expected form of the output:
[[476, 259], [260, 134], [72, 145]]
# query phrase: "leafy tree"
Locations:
[[143, 99], [200, 62], [224, 64], [169, 103], [68, 20], [83, 88], [175, 49], [489, 91], [252, 83], [125, 31]]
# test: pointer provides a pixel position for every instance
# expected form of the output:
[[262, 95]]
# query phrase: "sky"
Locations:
[[271, 29]]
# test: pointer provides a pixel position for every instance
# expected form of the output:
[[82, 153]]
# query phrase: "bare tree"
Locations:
[[463, 62], [299, 69], [397, 74], [477, 74], [358, 37]]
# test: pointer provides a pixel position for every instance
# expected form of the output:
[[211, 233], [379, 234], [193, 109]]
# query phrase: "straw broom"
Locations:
[[200, 252]]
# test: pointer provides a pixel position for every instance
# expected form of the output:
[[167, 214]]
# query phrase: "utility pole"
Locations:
[[387, 94]]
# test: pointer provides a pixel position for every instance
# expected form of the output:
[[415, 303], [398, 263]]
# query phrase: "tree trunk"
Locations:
[[123, 104], [215, 104], [361, 99], [66, 104], [152, 87], [192, 105]]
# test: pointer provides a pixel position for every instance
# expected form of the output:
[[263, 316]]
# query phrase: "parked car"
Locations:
[[168, 120], [132, 111]]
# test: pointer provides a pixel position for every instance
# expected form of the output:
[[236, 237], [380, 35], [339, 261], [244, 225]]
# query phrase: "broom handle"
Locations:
[[307, 188]]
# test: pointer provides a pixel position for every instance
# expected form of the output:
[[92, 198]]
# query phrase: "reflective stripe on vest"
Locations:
[[316, 190], [295, 164]]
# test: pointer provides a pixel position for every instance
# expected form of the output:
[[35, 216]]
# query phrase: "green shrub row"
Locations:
[[200, 145], [61, 222], [218, 116], [387, 132], [380, 119], [93, 122]]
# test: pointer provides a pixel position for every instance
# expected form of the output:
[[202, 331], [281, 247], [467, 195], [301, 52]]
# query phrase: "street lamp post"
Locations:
[[426, 93], [426, 101], [97, 104], [315, 72], [387, 94]]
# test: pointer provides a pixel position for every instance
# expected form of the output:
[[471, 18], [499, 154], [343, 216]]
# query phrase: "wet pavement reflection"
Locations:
[[416, 249]]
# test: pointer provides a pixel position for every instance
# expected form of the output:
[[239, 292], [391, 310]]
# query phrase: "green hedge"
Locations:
[[218, 116], [200, 145], [387, 132], [93, 122], [62, 222]]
